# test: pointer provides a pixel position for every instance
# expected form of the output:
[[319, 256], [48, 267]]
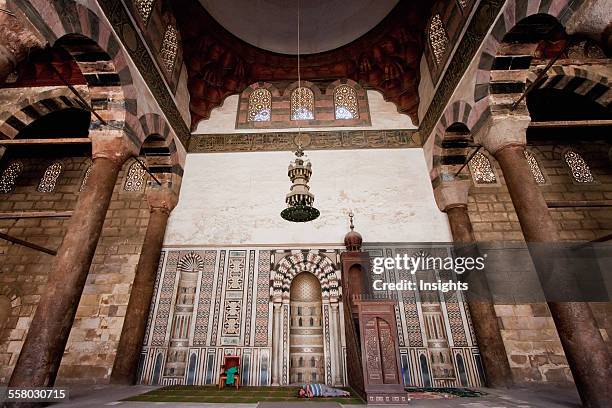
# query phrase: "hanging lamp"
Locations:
[[299, 199]]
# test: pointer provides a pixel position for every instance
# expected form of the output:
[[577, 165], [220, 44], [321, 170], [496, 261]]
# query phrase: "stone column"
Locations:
[[504, 136], [452, 198], [44, 345], [276, 340], [125, 369], [17, 40]]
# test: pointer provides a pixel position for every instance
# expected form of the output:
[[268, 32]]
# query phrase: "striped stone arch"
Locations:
[[513, 12], [23, 114], [159, 146], [576, 80], [91, 41], [450, 148], [317, 264]]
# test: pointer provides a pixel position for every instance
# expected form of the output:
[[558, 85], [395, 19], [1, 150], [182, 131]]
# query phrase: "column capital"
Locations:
[[450, 194], [111, 144], [502, 130], [162, 198], [17, 39]]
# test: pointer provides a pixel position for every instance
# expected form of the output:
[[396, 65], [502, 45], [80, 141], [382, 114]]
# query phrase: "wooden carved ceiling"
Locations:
[[386, 59]]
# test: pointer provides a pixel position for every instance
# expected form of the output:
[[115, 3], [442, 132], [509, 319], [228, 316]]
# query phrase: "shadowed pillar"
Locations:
[[587, 355], [125, 369], [452, 199], [44, 345]]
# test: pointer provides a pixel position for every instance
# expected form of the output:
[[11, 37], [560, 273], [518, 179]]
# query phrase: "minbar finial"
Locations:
[[351, 215]]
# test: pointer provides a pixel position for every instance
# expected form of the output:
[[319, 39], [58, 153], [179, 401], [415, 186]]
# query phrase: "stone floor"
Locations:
[[109, 396]]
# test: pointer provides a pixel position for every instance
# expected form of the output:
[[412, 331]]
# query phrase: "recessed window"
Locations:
[[169, 48], [481, 169], [538, 176], [144, 8], [49, 179], [260, 105], [9, 176], [302, 104], [345, 103], [136, 178], [581, 173], [438, 39]]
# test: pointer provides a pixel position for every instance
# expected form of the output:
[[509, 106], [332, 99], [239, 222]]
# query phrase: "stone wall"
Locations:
[[92, 344], [529, 333]]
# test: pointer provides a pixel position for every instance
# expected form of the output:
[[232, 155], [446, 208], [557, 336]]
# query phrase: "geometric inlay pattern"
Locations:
[[302, 104], [481, 169], [263, 300], [345, 103], [437, 38], [9, 176], [206, 288], [47, 183], [260, 105], [454, 313], [165, 300], [581, 173], [249, 302]]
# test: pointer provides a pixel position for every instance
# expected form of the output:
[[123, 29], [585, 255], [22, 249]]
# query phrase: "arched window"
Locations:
[[47, 183], [581, 173], [538, 176], [135, 178], [169, 48], [85, 178], [9, 176], [437, 38], [144, 8], [345, 103], [302, 104], [481, 169], [462, 3], [260, 105]]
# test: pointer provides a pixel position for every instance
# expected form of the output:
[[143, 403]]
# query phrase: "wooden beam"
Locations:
[[570, 123], [35, 214], [578, 203], [27, 244], [65, 140]]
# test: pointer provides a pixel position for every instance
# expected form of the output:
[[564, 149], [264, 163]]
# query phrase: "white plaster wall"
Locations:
[[384, 116], [236, 198]]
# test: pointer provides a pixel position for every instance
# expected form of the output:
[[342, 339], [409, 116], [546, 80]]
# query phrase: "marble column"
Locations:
[[125, 369], [276, 343], [42, 351], [336, 344], [504, 136], [452, 198], [17, 40]]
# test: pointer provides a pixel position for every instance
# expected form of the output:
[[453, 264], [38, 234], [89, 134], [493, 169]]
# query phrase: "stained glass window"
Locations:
[[169, 48], [345, 103], [581, 173], [482, 171], [302, 104], [49, 179], [437, 38], [135, 178], [9, 176], [260, 105], [85, 178], [535, 167], [144, 8]]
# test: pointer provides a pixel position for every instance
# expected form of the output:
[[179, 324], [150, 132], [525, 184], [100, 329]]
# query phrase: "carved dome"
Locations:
[[353, 239]]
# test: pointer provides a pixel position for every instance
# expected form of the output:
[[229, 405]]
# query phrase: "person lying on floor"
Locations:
[[321, 390]]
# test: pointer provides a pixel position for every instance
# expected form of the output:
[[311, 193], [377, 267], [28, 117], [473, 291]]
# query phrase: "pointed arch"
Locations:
[[319, 265]]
